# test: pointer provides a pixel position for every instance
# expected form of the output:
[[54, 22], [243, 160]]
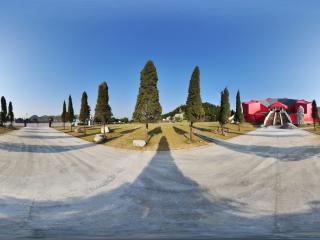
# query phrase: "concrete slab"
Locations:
[[265, 184]]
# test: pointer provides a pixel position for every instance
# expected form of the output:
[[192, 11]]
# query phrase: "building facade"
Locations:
[[256, 111]]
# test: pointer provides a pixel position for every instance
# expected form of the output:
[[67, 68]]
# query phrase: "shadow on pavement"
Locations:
[[161, 203], [280, 153]]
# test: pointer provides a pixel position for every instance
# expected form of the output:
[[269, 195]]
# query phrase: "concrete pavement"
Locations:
[[263, 184]]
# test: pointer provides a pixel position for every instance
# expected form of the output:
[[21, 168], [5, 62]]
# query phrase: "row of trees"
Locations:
[[6, 114], [194, 107], [103, 111], [67, 116], [148, 108]]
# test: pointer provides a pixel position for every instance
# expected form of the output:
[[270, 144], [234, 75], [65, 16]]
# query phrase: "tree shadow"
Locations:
[[44, 137], [110, 139], [154, 132], [129, 131], [180, 131], [161, 203], [203, 129], [163, 144], [280, 136], [34, 148], [281, 153]]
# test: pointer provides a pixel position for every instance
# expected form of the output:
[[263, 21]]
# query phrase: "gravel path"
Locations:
[[263, 184]]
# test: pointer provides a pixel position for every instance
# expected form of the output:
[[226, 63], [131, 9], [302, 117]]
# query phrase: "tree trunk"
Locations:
[[190, 132], [314, 125], [146, 133], [239, 127], [222, 129], [71, 126], [104, 129], [64, 125], [85, 130]]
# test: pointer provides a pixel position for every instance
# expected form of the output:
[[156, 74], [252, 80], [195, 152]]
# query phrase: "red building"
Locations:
[[256, 111]]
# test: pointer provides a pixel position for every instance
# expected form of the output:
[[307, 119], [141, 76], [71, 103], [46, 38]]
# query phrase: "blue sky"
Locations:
[[50, 49]]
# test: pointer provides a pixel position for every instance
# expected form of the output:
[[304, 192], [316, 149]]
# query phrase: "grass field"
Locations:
[[6, 129], [311, 129], [176, 134]]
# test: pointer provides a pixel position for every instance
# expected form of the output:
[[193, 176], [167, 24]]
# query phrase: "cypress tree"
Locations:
[[3, 115], [103, 110], [64, 114], [315, 115], [84, 110], [194, 109], [10, 113], [224, 109], [238, 116], [70, 114], [148, 108]]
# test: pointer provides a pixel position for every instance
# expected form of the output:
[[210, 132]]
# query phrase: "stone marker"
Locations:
[[107, 129], [99, 138], [139, 143]]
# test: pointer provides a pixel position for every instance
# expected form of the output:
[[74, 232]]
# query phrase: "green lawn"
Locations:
[[176, 134]]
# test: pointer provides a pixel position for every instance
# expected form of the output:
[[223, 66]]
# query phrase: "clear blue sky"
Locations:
[[50, 49]]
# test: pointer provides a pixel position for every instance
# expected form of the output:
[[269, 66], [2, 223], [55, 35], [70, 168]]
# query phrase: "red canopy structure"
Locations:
[[256, 111], [278, 105]]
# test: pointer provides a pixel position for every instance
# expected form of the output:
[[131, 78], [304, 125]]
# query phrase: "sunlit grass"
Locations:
[[176, 134], [4, 130]]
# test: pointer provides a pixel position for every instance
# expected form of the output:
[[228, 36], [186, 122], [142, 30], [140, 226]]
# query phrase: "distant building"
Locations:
[[273, 110], [179, 116]]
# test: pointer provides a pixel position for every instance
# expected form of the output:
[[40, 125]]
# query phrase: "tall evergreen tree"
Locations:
[[64, 114], [103, 110], [194, 109], [84, 110], [70, 113], [315, 115], [238, 116], [224, 109], [10, 113], [3, 114], [148, 108]]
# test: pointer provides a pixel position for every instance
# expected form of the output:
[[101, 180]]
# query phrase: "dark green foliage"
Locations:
[[103, 111], [210, 112], [124, 120], [10, 113], [224, 107], [315, 114], [238, 116], [70, 113], [3, 113], [85, 109], [194, 110], [64, 112], [148, 108]]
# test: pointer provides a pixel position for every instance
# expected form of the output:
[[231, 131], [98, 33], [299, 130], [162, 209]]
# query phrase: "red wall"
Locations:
[[307, 112], [252, 111]]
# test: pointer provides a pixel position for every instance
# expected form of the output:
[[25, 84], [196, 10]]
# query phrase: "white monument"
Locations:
[[300, 116]]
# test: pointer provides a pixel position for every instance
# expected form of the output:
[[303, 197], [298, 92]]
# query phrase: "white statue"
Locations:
[[300, 115]]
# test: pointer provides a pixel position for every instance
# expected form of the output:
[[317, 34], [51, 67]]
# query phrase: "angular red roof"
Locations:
[[278, 105]]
